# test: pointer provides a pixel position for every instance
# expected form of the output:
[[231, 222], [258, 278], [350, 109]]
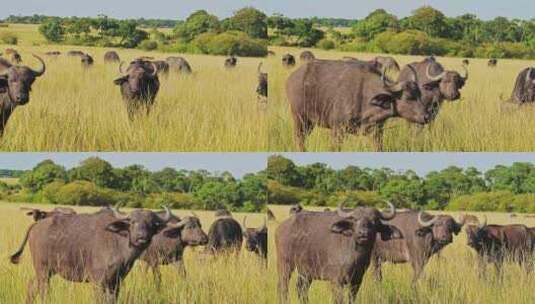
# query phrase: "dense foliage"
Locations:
[[502, 188], [96, 182]]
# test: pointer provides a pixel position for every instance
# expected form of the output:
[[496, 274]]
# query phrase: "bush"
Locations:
[[9, 38], [326, 44], [84, 193], [237, 43], [148, 45], [409, 42]]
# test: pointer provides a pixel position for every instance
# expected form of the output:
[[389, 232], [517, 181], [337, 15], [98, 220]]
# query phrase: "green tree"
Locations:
[[249, 20], [42, 174], [95, 170], [52, 30], [428, 20], [197, 23], [283, 170], [375, 23]]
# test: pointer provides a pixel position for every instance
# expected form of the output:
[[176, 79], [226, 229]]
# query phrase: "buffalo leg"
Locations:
[[38, 284], [109, 293], [377, 270], [302, 128], [417, 272], [284, 280], [338, 293], [482, 268], [303, 285], [157, 276]]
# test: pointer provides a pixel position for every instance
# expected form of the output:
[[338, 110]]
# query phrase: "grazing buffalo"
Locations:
[[288, 60], [167, 247], [231, 62], [256, 239], [75, 53], [225, 234], [435, 83], [270, 215], [262, 87], [493, 62], [100, 248], [111, 56], [346, 97], [466, 62], [423, 236], [334, 246], [87, 60], [496, 244], [139, 86], [38, 214], [306, 56], [179, 65], [524, 90], [15, 86]]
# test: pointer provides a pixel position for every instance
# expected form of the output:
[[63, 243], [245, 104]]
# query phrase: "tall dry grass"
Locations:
[[480, 121], [209, 280]]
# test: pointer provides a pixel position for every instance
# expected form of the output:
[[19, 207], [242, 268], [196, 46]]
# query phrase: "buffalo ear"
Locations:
[[3, 84], [431, 85], [389, 232], [120, 80], [120, 227], [344, 227], [421, 232], [382, 100], [172, 233]]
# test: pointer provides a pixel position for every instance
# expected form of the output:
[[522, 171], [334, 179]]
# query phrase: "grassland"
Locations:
[[221, 280], [72, 109], [480, 121], [452, 278]]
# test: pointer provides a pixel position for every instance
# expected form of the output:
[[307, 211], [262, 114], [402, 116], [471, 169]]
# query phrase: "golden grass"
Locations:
[[75, 110], [222, 280], [480, 121], [452, 278]]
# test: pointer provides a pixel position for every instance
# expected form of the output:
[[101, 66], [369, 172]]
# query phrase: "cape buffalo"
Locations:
[[333, 246], [75, 53], [262, 87], [231, 62], [435, 83], [307, 56], [139, 86], [167, 247], [524, 90], [100, 248], [162, 67], [423, 236], [493, 62], [288, 60], [15, 86], [346, 97], [225, 234], [496, 244], [111, 56], [179, 65], [38, 214], [87, 60], [256, 239]]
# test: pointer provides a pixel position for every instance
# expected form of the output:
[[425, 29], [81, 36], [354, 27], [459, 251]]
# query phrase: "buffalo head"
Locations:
[[477, 235], [17, 80], [189, 229], [442, 227], [449, 83], [254, 236], [137, 75]]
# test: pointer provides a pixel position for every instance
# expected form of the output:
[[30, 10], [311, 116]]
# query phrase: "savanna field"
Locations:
[[452, 278], [479, 122], [72, 109], [209, 280]]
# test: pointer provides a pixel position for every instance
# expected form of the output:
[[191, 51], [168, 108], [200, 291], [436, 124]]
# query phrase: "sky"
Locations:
[[172, 9], [238, 164], [421, 163]]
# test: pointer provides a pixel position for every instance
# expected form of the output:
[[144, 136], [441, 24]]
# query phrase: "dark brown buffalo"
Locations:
[[288, 60], [306, 56], [100, 248], [262, 87], [333, 246], [139, 86], [270, 215], [162, 67], [179, 65], [231, 62], [87, 60], [524, 90], [496, 244], [256, 239], [15, 86], [435, 83], [493, 62], [75, 53], [347, 97], [382, 63], [111, 56], [38, 214], [167, 247], [225, 234], [423, 236]]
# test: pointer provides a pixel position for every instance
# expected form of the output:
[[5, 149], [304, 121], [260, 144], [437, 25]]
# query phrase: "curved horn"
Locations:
[[154, 69], [340, 211], [482, 225], [433, 78], [426, 223], [259, 68], [167, 217], [465, 76], [180, 224], [117, 214], [121, 67], [462, 220], [41, 69], [391, 214], [528, 75], [244, 221]]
